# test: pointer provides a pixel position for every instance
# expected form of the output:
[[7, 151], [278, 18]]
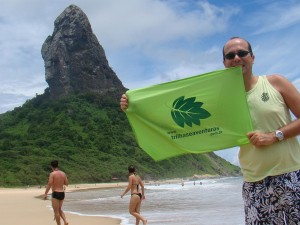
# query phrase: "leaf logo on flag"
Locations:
[[187, 111]]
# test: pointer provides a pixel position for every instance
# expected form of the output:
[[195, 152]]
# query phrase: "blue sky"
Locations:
[[149, 41]]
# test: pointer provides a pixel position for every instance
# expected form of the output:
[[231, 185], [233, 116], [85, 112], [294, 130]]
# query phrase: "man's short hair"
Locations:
[[54, 163]]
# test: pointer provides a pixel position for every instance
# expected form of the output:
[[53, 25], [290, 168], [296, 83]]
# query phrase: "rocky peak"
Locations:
[[75, 62]]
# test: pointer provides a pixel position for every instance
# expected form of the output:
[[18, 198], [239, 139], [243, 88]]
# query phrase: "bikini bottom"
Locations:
[[138, 194]]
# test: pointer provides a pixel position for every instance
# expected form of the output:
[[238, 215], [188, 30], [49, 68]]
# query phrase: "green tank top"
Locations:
[[269, 112]]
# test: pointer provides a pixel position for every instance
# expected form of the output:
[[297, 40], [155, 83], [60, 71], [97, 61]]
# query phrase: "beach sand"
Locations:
[[24, 206]]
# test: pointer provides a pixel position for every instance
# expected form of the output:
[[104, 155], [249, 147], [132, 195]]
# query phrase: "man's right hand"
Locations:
[[124, 102]]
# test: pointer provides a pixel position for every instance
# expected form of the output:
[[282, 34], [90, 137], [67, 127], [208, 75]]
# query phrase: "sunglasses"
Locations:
[[240, 53]]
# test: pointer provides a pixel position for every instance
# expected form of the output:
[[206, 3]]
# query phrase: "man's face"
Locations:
[[240, 46]]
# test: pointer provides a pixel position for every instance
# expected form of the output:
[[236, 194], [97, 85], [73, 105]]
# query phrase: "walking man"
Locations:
[[57, 181]]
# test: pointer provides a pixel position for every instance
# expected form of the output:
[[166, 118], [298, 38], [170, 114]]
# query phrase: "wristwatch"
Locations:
[[279, 135]]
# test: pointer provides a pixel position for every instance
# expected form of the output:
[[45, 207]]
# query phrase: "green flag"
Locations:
[[198, 114]]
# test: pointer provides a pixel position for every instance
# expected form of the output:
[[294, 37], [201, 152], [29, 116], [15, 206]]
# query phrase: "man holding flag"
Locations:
[[270, 163]]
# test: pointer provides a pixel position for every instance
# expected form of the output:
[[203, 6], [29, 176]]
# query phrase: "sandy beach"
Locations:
[[23, 206]]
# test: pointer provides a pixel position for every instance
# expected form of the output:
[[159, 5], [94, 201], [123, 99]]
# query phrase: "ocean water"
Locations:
[[205, 202]]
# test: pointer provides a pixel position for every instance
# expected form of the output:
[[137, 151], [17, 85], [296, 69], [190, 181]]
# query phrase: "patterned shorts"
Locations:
[[273, 201]]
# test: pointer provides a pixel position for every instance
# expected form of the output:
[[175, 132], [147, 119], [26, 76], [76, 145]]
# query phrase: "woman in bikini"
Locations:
[[136, 197]]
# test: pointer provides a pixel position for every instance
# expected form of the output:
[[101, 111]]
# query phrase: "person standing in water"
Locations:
[[57, 180], [134, 181]]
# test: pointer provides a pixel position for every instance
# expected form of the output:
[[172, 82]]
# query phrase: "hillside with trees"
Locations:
[[92, 139]]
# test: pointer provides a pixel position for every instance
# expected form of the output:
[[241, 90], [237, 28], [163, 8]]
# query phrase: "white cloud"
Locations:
[[191, 64], [140, 24], [277, 53], [10, 101], [276, 16]]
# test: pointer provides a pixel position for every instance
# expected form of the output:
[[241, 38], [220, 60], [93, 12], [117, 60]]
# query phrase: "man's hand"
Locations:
[[260, 139], [124, 102]]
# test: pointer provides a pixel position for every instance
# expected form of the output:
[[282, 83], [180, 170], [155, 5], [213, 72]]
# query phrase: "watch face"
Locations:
[[279, 135]]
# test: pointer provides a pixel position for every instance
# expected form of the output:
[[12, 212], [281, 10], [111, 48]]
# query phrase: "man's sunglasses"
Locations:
[[240, 53]]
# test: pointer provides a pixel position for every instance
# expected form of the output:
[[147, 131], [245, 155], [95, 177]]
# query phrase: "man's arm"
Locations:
[[66, 181], [291, 97], [49, 185]]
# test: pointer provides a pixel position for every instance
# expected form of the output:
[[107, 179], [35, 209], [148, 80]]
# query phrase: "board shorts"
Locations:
[[274, 200]]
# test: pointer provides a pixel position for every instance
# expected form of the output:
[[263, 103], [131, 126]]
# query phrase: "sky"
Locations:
[[150, 41]]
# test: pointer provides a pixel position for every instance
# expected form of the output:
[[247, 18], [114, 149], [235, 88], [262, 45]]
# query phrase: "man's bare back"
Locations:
[[58, 179]]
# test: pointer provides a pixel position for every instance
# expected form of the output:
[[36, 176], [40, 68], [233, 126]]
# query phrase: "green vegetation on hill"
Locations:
[[91, 138]]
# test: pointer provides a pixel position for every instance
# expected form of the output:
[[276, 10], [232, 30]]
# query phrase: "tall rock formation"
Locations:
[[75, 62]]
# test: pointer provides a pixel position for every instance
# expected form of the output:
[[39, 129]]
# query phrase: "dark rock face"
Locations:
[[75, 62]]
